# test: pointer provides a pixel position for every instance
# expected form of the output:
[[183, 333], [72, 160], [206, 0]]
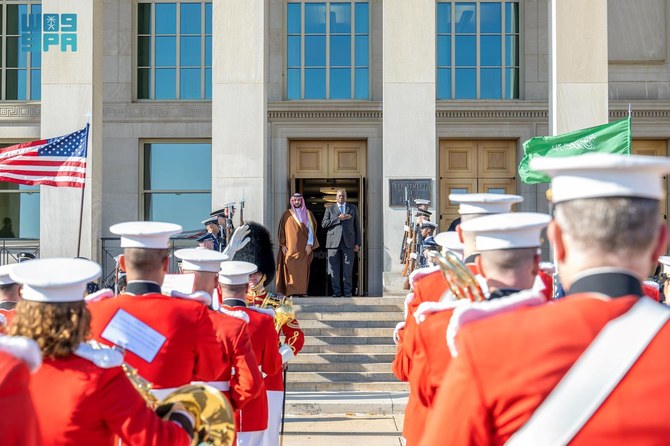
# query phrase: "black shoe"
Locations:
[[336, 295], [347, 295]]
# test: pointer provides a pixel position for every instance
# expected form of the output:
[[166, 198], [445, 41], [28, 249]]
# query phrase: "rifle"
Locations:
[[242, 209], [408, 223]]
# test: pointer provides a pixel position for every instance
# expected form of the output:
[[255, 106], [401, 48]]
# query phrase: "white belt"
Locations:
[[162, 393], [223, 386]]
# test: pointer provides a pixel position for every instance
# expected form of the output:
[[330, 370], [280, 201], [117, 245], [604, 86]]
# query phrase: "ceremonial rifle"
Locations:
[[242, 209], [408, 222]]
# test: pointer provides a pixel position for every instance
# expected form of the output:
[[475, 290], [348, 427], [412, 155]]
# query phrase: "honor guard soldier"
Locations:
[[82, 395], [10, 294], [170, 341], [224, 217], [259, 252], [252, 421], [546, 374], [19, 357], [212, 227], [427, 228], [231, 330]]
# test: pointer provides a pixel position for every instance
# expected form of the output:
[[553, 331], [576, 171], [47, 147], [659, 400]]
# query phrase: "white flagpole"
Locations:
[[81, 205]]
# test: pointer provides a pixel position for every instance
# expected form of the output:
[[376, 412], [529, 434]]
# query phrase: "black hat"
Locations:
[[259, 251], [220, 211], [24, 257], [210, 221], [421, 212]]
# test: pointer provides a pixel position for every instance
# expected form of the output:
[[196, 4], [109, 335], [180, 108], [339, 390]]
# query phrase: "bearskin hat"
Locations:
[[259, 251]]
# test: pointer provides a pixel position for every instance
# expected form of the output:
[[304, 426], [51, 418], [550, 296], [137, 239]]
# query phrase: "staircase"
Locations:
[[348, 345]]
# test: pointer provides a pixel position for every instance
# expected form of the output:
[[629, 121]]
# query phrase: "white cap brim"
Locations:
[[236, 273], [484, 203], [145, 234], [507, 231], [194, 259], [55, 280], [5, 278]]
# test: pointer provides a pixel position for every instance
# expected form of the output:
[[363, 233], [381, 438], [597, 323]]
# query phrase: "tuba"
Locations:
[[214, 420], [282, 305], [460, 280]]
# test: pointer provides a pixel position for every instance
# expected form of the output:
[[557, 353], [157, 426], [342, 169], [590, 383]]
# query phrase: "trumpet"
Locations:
[[462, 283]]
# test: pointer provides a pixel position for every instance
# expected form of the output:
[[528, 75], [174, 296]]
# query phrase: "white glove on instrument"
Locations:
[[413, 256], [238, 241]]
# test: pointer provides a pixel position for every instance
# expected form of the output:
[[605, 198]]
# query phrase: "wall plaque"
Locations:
[[415, 189]]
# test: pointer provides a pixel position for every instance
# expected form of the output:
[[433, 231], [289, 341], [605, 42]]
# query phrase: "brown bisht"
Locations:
[[293, 268]]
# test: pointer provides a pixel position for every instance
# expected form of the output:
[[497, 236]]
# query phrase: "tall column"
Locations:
[[239, 105], [410, 145], [578, 95], [71, 89]]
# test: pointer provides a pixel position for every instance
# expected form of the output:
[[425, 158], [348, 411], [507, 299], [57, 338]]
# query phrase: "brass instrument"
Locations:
[[462, 283], [213, 414], [284, 313]]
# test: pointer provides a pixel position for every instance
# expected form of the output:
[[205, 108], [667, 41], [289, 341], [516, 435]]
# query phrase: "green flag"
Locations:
[[614, 137]]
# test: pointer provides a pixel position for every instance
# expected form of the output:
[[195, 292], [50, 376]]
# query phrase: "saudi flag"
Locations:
[[614, 137]]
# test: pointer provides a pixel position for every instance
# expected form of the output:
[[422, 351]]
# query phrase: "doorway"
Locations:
[[318, 169]]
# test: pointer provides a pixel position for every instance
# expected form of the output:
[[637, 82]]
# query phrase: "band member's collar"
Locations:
[[612, 282], [7, 305], [502, 292], [471, 258], [234, 302], [138, 287]]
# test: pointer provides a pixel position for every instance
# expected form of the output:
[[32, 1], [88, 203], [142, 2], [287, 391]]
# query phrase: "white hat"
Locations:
[[420, 201], [507, 231], [665, 261], [145, 234], [484, 203], [236, 273], [198, 259], [4, 274], [449, 240], [55, 280], [600, 175]]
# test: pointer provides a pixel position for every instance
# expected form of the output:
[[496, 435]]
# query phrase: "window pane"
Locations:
[[444, 51], [444, 83], [166, 51], [362, 83], [315, 51], [512, 83], [208, 51], [208, 18], [490, 83], [143, 85], [293, 51], [466, 51], [183, 209], [466, 18], [293, 83], [512, 17], [340, 83], [29, 216], [490, 53], [166, 84], [189, 18], [512, 51], [362, 18], [144, 51], [15, 57], [315, 83], [340, 18], [166, 18], [15, 85], [443, 18], [190, 51], [189, 83], [144, 18], [315, 18], [489, 17], [466, 83], [13, 19], [178, 166], [340, 50], [208, 83], [35, 85], [362, 51], [293, 18]]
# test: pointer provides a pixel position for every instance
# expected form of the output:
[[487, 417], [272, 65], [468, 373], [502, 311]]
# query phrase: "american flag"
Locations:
[[59, 162]]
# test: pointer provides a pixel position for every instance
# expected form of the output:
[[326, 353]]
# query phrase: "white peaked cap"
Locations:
[[599, 175], [55, 280], [484, 203], [507, 231], [449, 240], [236, 273], [421, 201], [145, 234], [198, 259], [5, 279], [665, 261]]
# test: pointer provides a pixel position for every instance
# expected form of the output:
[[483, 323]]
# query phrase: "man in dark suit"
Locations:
[[343, 242]]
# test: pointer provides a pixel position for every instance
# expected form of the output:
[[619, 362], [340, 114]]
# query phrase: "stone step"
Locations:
[[349, 307], [333, 358], [343, 402], [365, 367], [347, 377], [314, 323], [348, 340], [345, 387], [352, 331], [297, 301], [349, 348], [352, 316]]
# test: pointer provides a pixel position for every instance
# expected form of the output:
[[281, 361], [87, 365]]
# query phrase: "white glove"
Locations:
[[413, 256], [406, 228], [103, 294], [409, 241], [238, 241], [286, 353]]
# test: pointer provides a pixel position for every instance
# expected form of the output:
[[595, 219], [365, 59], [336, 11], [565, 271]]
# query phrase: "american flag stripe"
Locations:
[[59, 161]]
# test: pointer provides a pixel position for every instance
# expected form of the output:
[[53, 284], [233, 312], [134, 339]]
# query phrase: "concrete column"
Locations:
[[578, 92], [410, 144], [71, 88], [239, 106]]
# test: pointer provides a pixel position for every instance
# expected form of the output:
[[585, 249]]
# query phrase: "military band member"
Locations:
[[82, 395], [19, 357], [503, 385], [10, 294], [252, 421], [156, 331]]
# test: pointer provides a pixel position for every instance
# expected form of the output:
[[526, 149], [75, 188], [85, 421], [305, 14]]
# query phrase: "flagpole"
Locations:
[[81, 204]]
